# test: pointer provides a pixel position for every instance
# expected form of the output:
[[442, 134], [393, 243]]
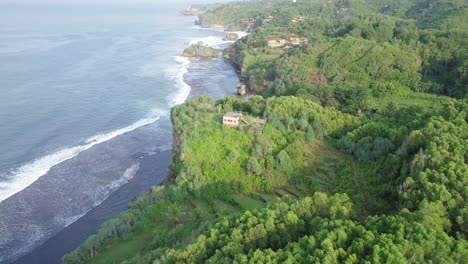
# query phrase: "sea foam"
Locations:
[[241, 34], [211, 41], [216, 41], [101, 194], [21, 178], [176, 73]]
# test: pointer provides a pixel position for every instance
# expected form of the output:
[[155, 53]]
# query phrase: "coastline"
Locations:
[[213, 77], [300, 174]]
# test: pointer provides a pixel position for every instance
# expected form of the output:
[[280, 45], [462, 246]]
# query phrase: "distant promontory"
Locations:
[[194, 10]]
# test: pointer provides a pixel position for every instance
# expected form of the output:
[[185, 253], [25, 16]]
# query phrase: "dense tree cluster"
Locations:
[[321, 229], [423, 153], [438, 172], [360, 50]]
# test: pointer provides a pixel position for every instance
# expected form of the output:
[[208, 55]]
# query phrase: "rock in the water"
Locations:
[[231, 37], [200, 51], [241, 89]]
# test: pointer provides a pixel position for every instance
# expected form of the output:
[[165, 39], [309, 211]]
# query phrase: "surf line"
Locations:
[[20, 178]]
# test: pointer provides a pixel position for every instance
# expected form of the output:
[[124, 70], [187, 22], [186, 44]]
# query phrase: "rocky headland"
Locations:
[[200, 51]]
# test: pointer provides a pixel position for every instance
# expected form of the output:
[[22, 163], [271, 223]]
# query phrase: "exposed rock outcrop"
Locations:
[[200, 51], [231, 37], [258, 86], [228, 53], [241, 89], [177, 145]]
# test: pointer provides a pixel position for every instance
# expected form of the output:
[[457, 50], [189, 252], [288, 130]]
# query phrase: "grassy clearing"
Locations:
[[223, 208], [408, 98], [292, 191], [191, 219], [268, 197], [247, 202], [123, 249], [323, 160], [330, 171], [137, 241]]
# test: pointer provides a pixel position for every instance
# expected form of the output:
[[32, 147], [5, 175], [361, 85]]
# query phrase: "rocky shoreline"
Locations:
[[201, 50]]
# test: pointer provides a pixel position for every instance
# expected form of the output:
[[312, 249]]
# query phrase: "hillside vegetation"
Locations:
[[362, 159]]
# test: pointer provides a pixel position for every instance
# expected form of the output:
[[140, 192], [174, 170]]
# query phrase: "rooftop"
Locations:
[[233, 114]]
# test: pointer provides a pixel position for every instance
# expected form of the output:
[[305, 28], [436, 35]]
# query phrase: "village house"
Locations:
[[268, 19], [296, 40], [259, 121], [276, 42], [289, 42], [288, 45], [297, 19], [258, 124], [232, 119], [249, 21], [303, 41]]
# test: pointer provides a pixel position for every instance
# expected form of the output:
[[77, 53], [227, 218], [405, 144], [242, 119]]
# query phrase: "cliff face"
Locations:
[[200, 51], [230, 54], [256, 88], [177, 145], [252, 84]]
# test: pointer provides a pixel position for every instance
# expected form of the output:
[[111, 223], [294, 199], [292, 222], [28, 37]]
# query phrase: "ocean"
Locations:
[[85, 99]]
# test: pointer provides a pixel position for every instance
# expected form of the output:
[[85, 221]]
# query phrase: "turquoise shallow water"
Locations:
[[85, 94]]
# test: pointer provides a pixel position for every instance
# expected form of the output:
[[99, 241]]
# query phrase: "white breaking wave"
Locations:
[[101, 195], [176, 73], [211, 41], [36, 232], [27, 174], [104, 192], [216, 41], [219, 29]]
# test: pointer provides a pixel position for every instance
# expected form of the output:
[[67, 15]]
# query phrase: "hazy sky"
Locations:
[[101, 2]]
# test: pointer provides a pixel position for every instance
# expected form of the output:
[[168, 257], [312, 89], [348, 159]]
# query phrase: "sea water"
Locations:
[[85, 92]]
